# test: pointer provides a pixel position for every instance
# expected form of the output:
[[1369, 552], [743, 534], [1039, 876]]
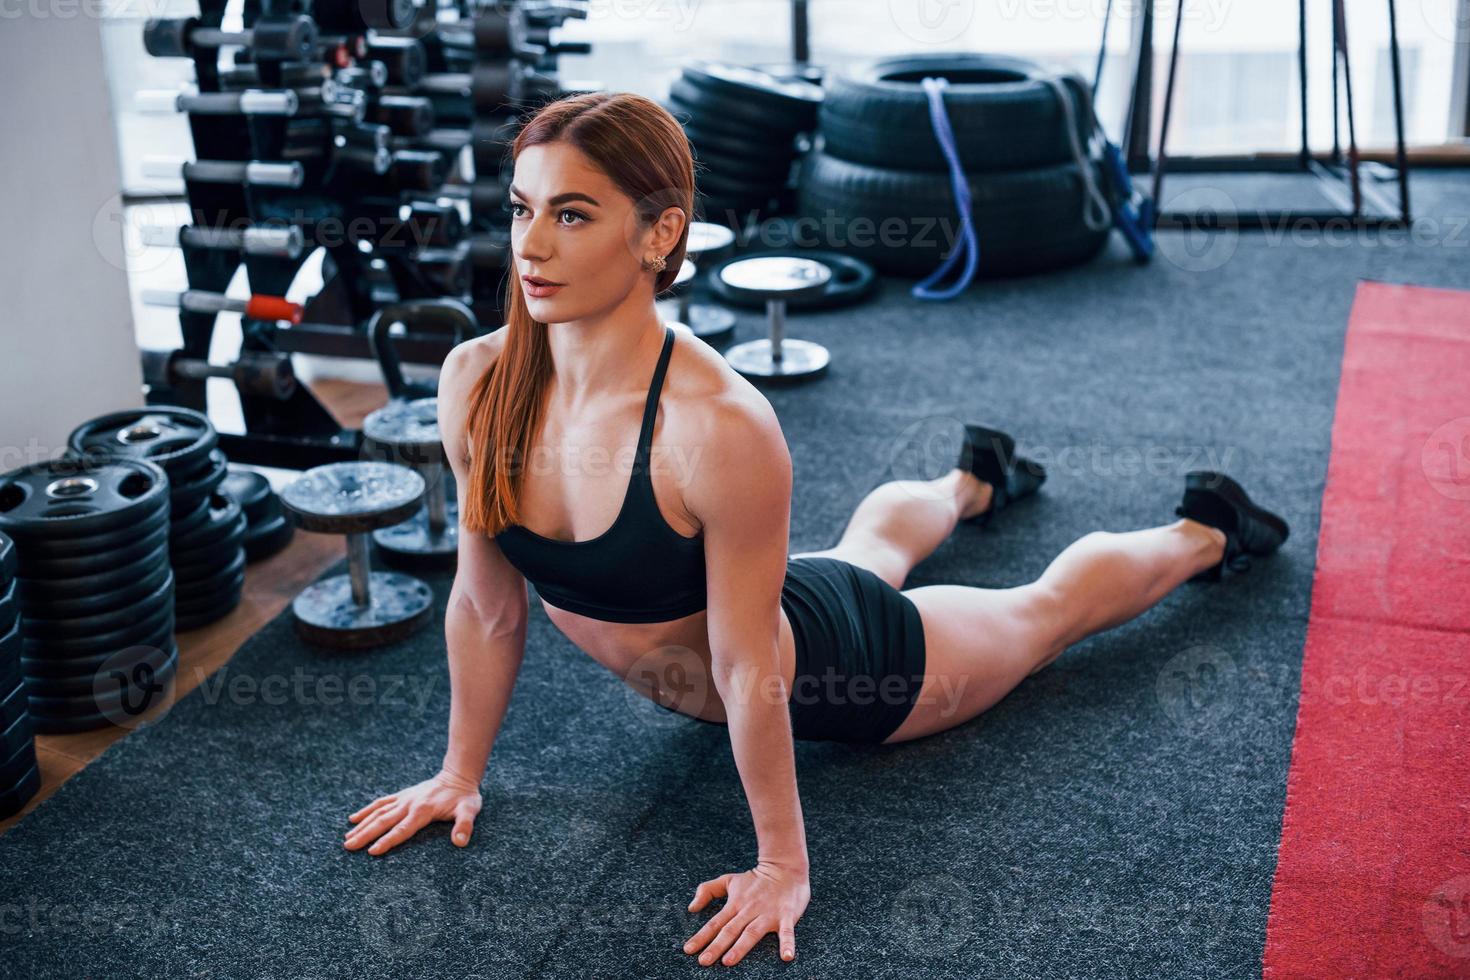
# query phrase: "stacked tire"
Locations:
[[267, 529], [207, 532], [746, 128], [879, 184], [94, 588], [19, 775]]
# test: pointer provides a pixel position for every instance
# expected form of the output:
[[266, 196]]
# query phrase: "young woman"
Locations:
[[677, 565]]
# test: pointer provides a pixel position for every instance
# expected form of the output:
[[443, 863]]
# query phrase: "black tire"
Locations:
[[702, 104], [793, 102], [1004, 116], [1026, 221]]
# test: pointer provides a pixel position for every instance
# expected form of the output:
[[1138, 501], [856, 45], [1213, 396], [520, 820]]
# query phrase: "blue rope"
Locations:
[[969, 244]]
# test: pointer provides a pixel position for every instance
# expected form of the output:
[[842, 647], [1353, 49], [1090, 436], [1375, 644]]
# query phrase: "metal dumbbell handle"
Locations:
[[284, 243], [256, 172], [256, 307], [251, 102]]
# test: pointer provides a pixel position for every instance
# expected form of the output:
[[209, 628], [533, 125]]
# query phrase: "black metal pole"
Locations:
[[1339, 13], [1139, 129], [1102, 50], [1168, 111], [800, 33], [1398, 112], [1301, 61]]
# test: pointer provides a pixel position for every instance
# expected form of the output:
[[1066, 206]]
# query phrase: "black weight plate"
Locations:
[[98, 623], [75, 607], [7, 558], [173, 437], [93, 544], [14, 798], [224, 514], [15, 735], [704, 104], [9, 605], [197, 588], [743, 146], [96, 563], [722, 164], [12, 702], [115, 669], [794, 100], [183, 526], [46, 590], [210, 558], [72, 498], [143, 628], [200, 485], [213, 614], [267, 539], [49, 721], [40, 667], [251, 489], [853, 280]]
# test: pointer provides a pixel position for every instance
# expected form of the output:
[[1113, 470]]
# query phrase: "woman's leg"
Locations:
[[981, 643], [900, 523]]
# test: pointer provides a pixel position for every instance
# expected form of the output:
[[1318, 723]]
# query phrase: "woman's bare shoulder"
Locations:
[[472, 358]]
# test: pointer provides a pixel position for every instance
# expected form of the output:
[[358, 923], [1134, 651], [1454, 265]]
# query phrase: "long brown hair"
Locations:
[[644, 151]]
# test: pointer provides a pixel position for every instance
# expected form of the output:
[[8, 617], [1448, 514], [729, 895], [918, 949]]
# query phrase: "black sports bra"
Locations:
[[640, 570]]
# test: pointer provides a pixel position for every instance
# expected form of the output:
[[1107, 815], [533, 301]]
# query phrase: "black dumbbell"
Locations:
[[406, 115], [267, 374], [282, 242], [250, 102], [272, 38], [403, 57], [260, 173]]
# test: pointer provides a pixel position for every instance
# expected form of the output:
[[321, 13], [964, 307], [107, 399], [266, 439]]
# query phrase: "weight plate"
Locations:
[[123, 665], [173, 437], [93, 544], [211, 556], [46, 590], [75, 607], [96, 563], [347, 498], [14, 799], [326, 613], [70, 498], [267, 539], [7, 558], [43, 667], [791, 99], [411, 427], [9, 605], [98, 623], [12, 702], [201, 484], [198, 587], [208, 615], [181, 527], [54, 648], [224, 514], [853, 280], [251, 489], [160, 690], [16, 734]]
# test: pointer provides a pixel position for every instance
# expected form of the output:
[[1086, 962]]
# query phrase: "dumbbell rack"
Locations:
[[405, 90]]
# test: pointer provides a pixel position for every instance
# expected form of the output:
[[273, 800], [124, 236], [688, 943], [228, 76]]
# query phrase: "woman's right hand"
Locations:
[[390, 820]]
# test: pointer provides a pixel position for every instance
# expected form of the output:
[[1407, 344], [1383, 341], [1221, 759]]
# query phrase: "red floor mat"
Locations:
[[1373, 872]]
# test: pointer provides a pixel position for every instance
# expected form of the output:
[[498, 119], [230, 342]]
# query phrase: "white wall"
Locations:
[[67, 352]]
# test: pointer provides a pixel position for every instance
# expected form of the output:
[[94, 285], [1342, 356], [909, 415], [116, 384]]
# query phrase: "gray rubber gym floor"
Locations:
[[1117, 815]]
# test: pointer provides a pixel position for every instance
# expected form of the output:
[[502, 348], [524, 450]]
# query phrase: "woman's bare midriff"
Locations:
[[667, 662]]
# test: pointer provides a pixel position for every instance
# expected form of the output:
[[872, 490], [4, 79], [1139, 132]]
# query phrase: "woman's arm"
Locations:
[[741, 492], [485, 631]]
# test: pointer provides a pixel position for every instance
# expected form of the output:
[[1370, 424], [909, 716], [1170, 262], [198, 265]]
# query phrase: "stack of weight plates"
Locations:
[[95, 589], [205, 541], [19, 776], [743, 125], [267, 530]]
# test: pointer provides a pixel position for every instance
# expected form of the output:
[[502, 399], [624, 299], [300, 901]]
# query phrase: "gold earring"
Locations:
[[657, 265]]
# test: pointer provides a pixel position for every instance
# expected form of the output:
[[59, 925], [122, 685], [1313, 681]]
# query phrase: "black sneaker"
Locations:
[[990, 454], [1215, 499]]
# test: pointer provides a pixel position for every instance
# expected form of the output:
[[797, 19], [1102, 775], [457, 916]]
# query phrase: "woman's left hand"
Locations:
[[767, 898]]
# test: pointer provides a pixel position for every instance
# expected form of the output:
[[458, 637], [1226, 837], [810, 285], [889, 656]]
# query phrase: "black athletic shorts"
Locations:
[[859, 651]]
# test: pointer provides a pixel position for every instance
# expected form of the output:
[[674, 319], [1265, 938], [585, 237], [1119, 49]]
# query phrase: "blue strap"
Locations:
[[969, 244]]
